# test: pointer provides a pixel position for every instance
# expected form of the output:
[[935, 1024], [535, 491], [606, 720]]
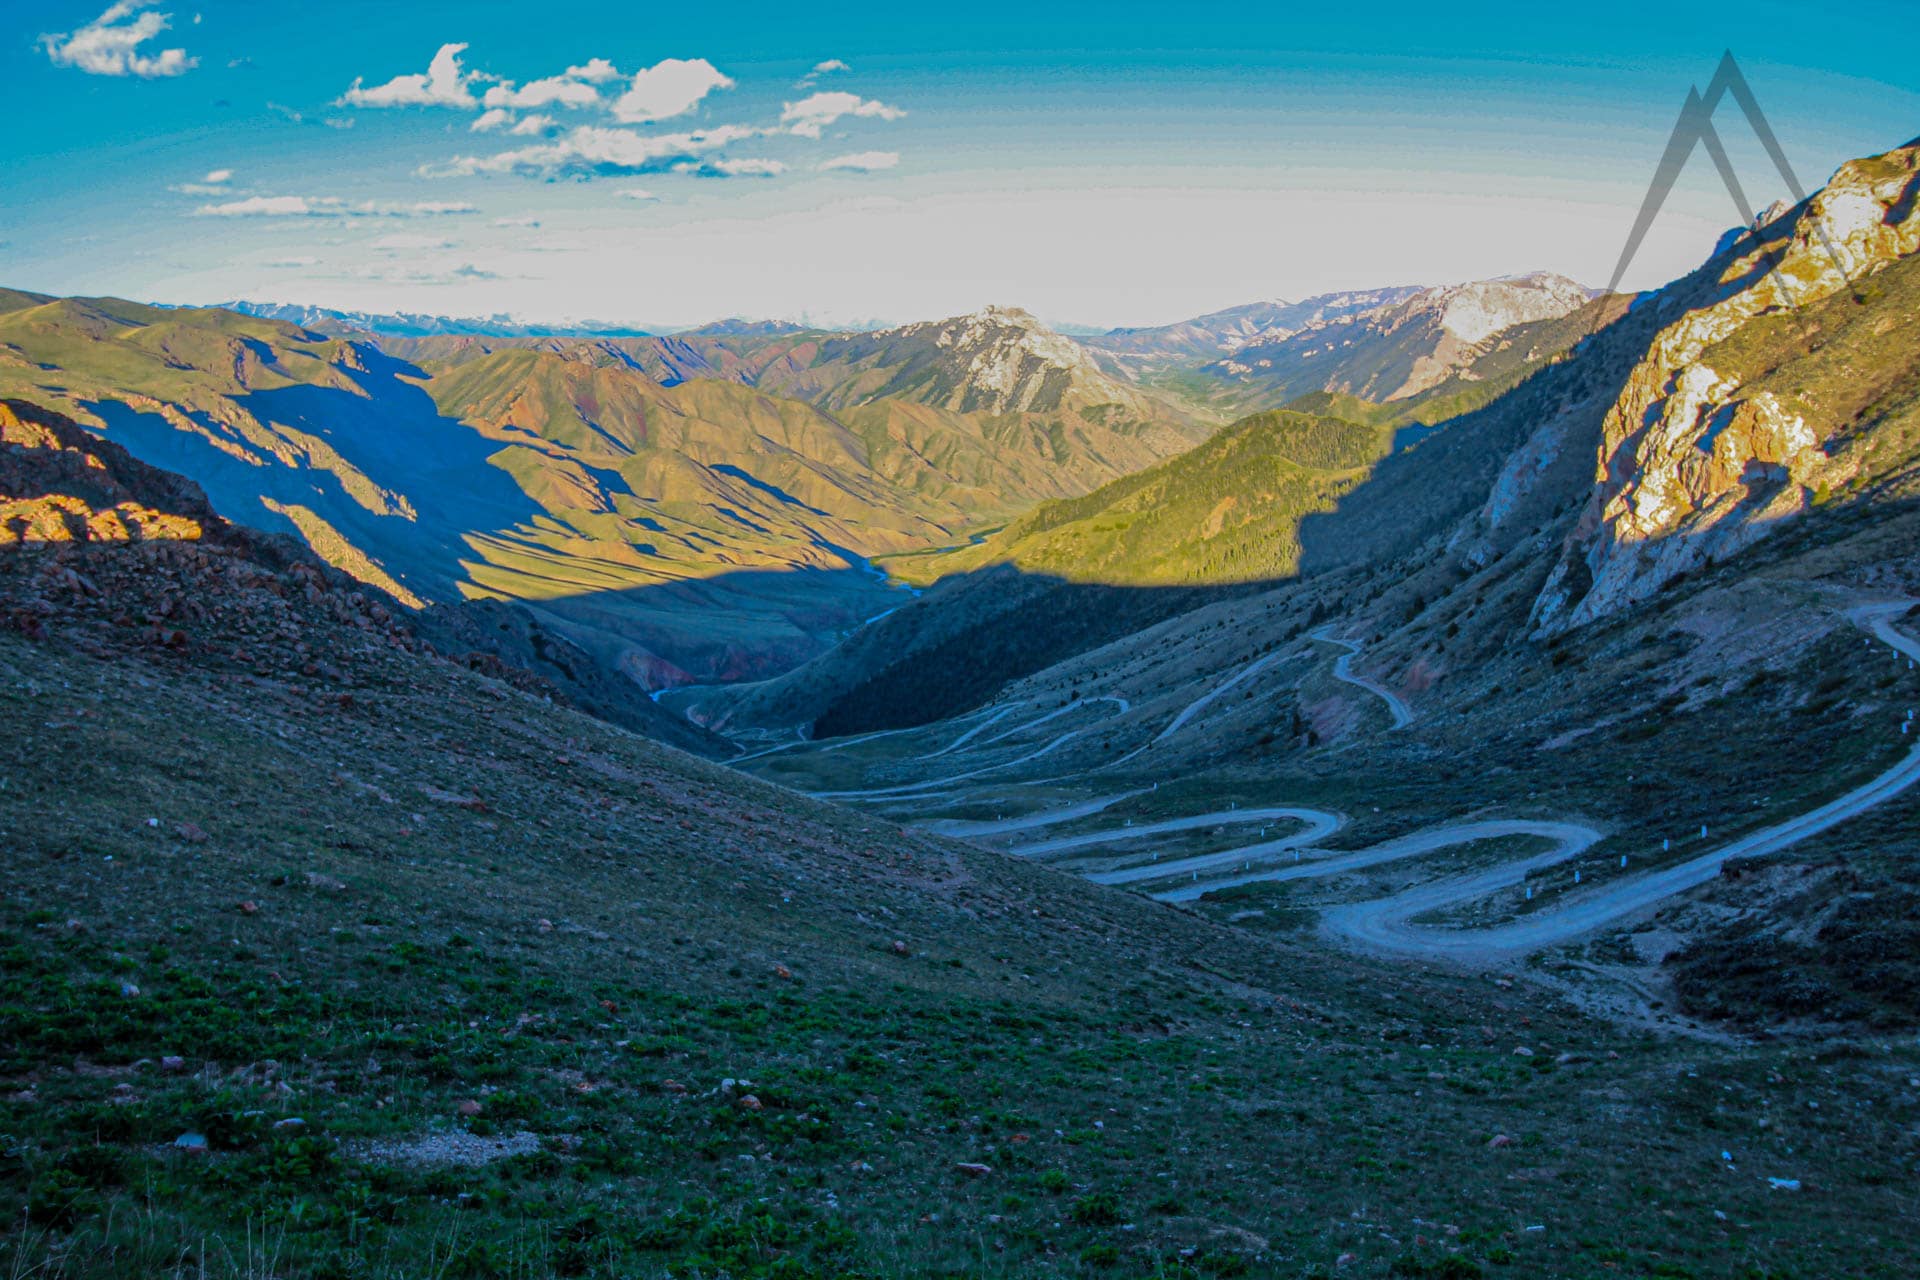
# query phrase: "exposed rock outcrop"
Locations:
[[58, 483], [1695, 463], [105, 553]]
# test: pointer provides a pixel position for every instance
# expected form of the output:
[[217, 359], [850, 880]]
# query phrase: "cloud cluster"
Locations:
[[407, 242], [863, 161], [445, 84], [596, 71], [748, 168], [214, 184], [589, 151], [809, 116], [110, 44], [664, 91], [667, 89], [328, 207]]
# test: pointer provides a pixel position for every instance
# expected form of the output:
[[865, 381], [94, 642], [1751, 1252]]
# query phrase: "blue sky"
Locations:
[[1103, 164]]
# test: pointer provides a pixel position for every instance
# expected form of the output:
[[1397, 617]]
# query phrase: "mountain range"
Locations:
[[410, 325]]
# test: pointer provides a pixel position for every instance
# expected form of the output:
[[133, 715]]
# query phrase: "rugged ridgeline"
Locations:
[[660, 510], [1203, 339], [984, 413], [1425, 344], [696, 508]]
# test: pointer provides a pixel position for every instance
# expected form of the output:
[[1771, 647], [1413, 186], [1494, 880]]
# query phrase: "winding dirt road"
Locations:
[[913, 788], [1318, 824], [1343, 670], [1387, 925]]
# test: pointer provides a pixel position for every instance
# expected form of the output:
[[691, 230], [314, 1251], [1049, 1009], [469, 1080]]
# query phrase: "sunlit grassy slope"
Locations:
[[1228, 510]]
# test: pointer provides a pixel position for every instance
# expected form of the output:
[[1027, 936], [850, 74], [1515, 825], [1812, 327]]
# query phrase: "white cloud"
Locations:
[[487, 121], [667, 89], [826, 68], [533, 126], [863, 161], [293, 263], [810, 115], [327, 207], [218, 176], [444, 85], [635, 193], [431, 274], [516, 222], [110, 44], [596, 71], [561, 89], [590, 150], [261, 207], [409, 241], [820, 69], [731, 168]]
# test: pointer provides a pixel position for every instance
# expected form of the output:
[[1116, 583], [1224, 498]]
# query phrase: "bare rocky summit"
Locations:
[[1740, 414]]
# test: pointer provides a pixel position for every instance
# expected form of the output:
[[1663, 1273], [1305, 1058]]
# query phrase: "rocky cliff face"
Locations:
[[1708, 446]]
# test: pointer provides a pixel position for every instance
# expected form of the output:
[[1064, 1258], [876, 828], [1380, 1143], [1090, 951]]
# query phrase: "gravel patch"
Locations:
[[452, 1148]]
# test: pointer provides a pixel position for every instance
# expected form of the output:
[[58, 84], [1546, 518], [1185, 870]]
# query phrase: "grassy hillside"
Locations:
[[1228, 510]]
